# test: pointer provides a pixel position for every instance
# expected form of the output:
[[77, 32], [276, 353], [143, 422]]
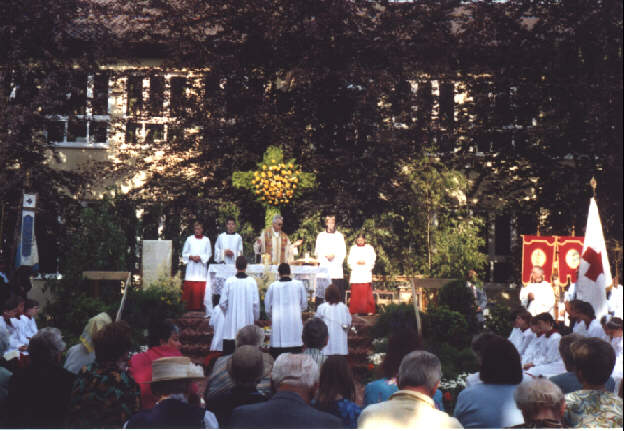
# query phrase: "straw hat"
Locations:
[[175, 368]]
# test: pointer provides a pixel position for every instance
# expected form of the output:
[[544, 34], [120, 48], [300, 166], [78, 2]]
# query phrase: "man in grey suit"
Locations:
[[295, 378]]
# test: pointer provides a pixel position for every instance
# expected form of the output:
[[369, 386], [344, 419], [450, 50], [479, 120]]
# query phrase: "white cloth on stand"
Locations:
[[225, 241], [594, 329], [217, 321], [338, 320], [543, 298], [196, 271], [284, 302], [361, 273], [240, 303], [328, 244]]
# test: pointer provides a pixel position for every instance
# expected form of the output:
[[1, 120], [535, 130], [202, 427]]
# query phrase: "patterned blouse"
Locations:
[[593, 409], [103, 397]]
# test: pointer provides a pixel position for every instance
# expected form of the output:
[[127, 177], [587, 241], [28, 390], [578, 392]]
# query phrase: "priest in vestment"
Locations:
[[274, 242], [195, 254], [538, 296], [229, 244], [284, 302], [240, 303], [331, 251]]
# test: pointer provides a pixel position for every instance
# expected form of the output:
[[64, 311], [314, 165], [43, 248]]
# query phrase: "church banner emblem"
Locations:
[[537, 251], [570, 249]]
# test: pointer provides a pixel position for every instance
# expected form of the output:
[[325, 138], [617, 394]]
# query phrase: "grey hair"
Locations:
[[565, 349], [46, 344], [296, 370], [250, 335], [420, 368], [4, 340], [277, 217], [538, 394], [246, 366]]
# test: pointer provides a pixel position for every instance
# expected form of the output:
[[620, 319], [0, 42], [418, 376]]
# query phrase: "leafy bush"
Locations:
[[443, 325], [161, 300], [394, 317], [72, 307], [454, 361], [499, 320], [457, 297]]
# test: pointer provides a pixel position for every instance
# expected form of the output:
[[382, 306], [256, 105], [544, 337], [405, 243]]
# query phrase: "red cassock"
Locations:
[[362, 300], [193, 294]]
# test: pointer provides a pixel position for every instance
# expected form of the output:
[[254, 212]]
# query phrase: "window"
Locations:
[[424, 102], [135, 95], [502, 109], [100, 94], [502, 233], [178, 95], [77, 130], [447, 105], [154, 132], [502, 272], [56, 131], [77, 94], [157, 86], [98, 131], [133, 131]]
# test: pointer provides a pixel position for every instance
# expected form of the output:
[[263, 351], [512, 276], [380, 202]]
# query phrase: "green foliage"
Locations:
[[98, 241], [457, 247], [457, 297], [499, 320], [454, 360], [443, 325], [161, 300], [72, 307], [393, 318]]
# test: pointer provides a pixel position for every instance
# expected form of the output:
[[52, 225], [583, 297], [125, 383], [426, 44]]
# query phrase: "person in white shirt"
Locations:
[[614, 333], [229, 244], [240, 303], [31, 309], [195, 255], [83, 353], [336, 316], [331, 251], [361, 262], [521, 334], [9, 311], [284, 302], [547, 360], [586, 324], [217, 321], [275, 243], [20, 324], [538, 296], [533, 347], [616, 302]]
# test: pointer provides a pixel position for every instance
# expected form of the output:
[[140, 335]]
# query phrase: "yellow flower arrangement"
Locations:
[[276, 183]]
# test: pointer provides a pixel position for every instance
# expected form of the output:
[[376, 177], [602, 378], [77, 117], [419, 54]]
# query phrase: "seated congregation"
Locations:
[[536, 378]]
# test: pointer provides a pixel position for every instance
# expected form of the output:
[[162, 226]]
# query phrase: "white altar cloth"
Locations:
[[219, 272]]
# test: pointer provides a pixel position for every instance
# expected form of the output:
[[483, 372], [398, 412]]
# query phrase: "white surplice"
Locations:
[[543, 298], [14, 336], [521, 339], [616, 302], [196, 271], [232, 242], [29, 326], [328, 244], [338, 320], [284, 302], [361, 273], [240, 303], [594, 329], [20, 326], [549, 352], [217, 321], [616, 343], [532, 351]]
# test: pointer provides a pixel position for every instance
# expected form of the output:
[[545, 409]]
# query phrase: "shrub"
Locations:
[[499, 320], [394, 317], [454, 361], [443, 325], [457, 297]]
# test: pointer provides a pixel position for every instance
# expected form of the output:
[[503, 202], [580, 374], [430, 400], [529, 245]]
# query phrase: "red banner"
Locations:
[[537, 251], [570, 249]]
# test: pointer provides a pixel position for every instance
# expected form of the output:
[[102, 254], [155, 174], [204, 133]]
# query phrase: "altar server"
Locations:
[[331, 251], [195, 256], [338, 320], [521, 335], [217, 321], [284, 302], [614, 331], [31, 308], [546, 360], [538, 296], [361, 262], [586, 324], [229, 244], [240, 303]]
